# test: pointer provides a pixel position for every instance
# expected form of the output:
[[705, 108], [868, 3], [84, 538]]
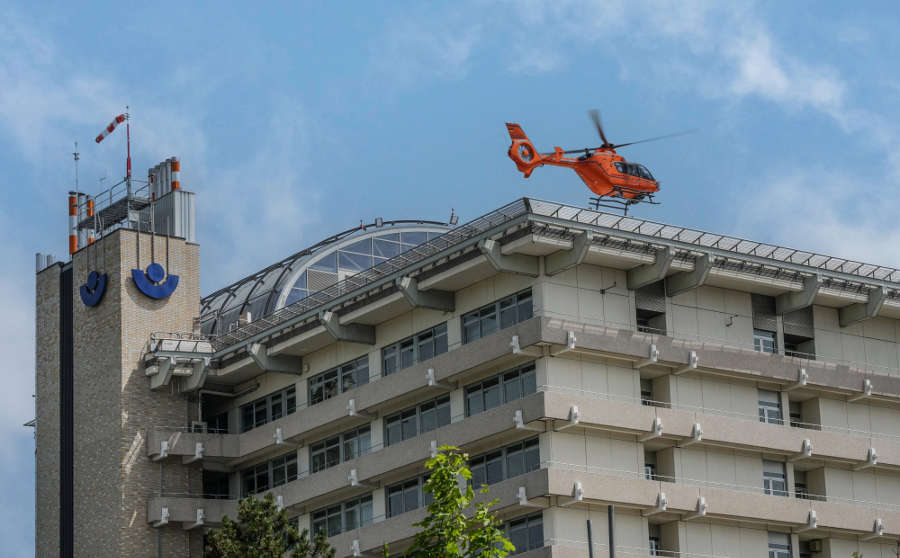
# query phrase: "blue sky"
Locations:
[[294, 121]]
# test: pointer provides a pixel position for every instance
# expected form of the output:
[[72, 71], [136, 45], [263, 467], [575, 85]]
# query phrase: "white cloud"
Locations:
[[413, 49]]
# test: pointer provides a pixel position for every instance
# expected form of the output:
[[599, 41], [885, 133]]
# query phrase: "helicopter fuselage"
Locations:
[[604, 171]]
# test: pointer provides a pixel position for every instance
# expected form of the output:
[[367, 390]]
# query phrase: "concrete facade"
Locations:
[[708, 443]]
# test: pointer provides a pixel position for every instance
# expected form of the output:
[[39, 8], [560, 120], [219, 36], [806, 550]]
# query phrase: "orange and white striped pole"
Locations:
[[176, 172], [73, 223], [90, 214]]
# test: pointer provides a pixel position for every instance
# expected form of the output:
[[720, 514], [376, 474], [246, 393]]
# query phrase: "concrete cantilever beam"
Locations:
[[644, 275], [687, 280], [355, 333], [789, 302], [860, 311], [512, 263], [198, 378], [434, 299], [281, 363], [558, 262]]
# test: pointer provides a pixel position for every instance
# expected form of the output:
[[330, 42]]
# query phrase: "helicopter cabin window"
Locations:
[[620, 167], [644, 172]]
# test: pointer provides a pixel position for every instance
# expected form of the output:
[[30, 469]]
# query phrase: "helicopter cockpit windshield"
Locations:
[[634, 169]]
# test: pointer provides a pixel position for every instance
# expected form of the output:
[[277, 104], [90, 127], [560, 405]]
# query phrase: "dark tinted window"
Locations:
[[338, 380], [420, 347], [502, 388], [497, 315], [268, 408]]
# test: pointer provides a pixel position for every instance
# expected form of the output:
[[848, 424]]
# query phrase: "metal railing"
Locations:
[[359, 281], [701, 239]]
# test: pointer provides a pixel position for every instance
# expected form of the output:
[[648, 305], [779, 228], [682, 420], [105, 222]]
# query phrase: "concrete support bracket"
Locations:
[[282, 363], [700, 510], [570, 344], [652, 359], [806, 449], [871, 460], [433, 299], [562, 260], [688, 280], [696, 436], [866, 392], [519, 264], [163, 375], [692, 363], [197, 379], [812, 522], [523, 501], [877, 530], [574, 418], [789, 302], [860, 311], [662, 505], [644, 275], [656, 429], [577, 496], [354, 333], [802, 379], [199, 452], [200, 521], [353, 412], [519, 423], [163, 518], [431, 381], [163, 451]]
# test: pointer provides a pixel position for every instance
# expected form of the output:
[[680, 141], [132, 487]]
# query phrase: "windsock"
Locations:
[[112, 126]]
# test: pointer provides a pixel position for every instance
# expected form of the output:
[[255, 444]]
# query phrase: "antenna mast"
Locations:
[[128, 149]]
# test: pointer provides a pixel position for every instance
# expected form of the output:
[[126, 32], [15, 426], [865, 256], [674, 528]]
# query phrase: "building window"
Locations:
[[422, 346], [218, 424], [650, 465], [501, 464], [526, 533], [653, 544], [770, 407], [795, 408], [801, 490], [338, 449], [774, 478], [407, 496], [215, 485], [272, 473], [268, 408], [338, 380], [502, 388], [764, 341], [779, 545], [346, 516], [496, 316], [422, 418]]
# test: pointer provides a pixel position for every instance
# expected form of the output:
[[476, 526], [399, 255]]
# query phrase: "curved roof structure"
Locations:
[[312, 269]]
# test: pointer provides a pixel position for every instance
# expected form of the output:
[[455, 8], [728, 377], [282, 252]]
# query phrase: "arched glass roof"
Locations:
[[312, 269]]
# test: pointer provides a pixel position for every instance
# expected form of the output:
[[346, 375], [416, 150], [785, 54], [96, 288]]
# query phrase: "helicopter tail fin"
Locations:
[[522, 151], [515, 132]]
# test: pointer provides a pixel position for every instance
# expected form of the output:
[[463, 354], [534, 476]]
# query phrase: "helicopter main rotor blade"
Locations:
[[676, 134], [595, 116], [570, 151]]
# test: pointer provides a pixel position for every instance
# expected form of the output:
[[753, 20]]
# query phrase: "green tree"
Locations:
[[454, 527], [263, 531]]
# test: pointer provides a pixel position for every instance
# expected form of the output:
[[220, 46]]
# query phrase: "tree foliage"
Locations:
[[454, 527], [263, 531]]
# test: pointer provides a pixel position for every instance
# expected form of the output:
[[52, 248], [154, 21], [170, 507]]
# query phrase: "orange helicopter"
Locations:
[[617, 183]]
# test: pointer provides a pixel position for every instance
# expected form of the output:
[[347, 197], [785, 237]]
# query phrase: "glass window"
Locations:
[[526, 533], [414, 238], [275, 472], [497, 315], [424, 417], [764, 341], [347, 376], [422, 346], [268, 408], [386, 249], [502, 388], [498, 465], [407, 496], [338, 449], [327, 262], [779, 545], [770, 407], [774, 478], [346, 516]]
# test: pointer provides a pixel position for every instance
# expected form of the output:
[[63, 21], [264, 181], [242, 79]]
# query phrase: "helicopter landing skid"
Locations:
[[619, 204]]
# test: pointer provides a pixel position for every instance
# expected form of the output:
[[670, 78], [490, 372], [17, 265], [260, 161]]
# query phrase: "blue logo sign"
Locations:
[[151, 283], [92, 291]]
